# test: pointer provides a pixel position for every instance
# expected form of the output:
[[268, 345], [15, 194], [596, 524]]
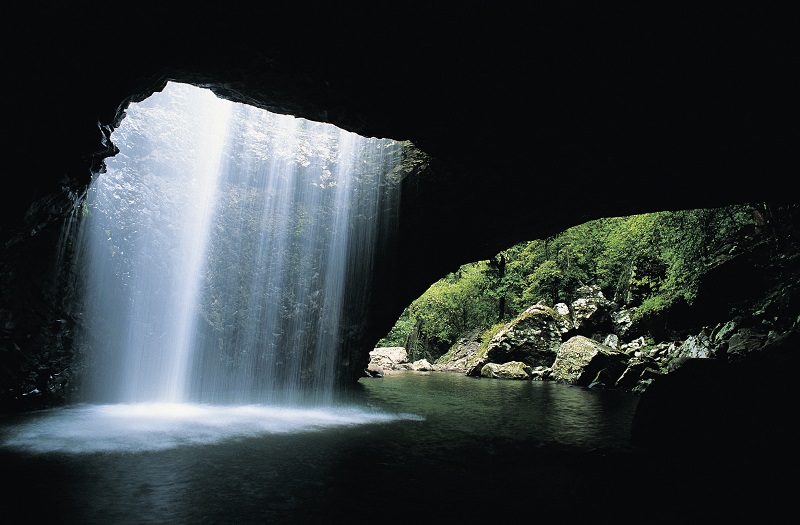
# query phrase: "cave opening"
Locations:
[[552, 425], [218, 259], [220, 250]]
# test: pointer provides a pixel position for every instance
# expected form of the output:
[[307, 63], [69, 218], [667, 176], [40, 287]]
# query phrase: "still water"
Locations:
[[433, 445]]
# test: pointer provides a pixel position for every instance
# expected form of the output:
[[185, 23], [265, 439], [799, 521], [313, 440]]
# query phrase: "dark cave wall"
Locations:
[[535, 120], [537, 101]]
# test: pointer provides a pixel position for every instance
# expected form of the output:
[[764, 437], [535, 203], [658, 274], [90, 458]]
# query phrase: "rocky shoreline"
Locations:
[[713, 429], [748, 307]]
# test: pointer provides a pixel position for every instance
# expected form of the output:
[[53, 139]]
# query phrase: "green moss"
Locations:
[[447, 356], [487, 336], [652, 307]]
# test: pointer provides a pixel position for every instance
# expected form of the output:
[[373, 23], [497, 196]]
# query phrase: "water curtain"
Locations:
[[221, 250]]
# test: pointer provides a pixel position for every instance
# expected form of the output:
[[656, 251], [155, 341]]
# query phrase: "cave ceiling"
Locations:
[[536, 118]]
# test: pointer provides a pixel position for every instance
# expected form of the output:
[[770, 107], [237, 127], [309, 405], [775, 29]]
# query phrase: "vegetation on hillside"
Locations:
[[651, 261]]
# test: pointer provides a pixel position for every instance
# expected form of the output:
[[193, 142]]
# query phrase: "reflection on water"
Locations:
[[531, 410], [439, 444]]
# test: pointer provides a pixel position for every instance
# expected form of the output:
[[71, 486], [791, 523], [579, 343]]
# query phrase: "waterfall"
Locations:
[[220, 250]]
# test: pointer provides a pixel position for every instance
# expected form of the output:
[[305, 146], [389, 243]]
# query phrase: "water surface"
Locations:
[[441, 444]]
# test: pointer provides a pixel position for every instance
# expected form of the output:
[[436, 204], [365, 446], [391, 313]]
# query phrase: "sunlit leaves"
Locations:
[[649, 260]]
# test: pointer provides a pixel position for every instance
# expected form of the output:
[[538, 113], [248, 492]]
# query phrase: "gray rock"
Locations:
[[723, 332], [374, 370], [388, 358], [532, 338], [457, 358], [744, 341], [564, 319], [510, 370], [581, 361], [591, 311], [693, 347], [622, 321], [633, 346], [421, 365], [638, 373]]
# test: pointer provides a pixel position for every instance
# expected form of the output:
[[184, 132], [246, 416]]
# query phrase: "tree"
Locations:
[[651, 261]]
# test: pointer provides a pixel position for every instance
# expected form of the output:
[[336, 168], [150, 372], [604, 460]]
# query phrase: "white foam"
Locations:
[[147, 427]]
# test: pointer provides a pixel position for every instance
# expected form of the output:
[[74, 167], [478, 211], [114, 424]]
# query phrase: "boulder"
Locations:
[[744, 341], [693, 347], [622, 321], [540, 373], [421, 365], [532, 338], [638, 372], [374, 370], [591, 311], [564, 319], [476, 363], [633, 346], [581, 361], [510, 370], [611, 341], [389, 357]]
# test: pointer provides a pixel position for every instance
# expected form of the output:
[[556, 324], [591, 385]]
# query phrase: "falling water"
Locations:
[[219, 248]]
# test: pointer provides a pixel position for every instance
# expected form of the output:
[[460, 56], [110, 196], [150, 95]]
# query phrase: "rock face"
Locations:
[[609, 101], [458, 357]]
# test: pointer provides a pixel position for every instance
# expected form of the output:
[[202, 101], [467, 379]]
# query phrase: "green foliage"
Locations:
[[452, 306], [543, 283], [653, 306], [398, 335], [650, 261]]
